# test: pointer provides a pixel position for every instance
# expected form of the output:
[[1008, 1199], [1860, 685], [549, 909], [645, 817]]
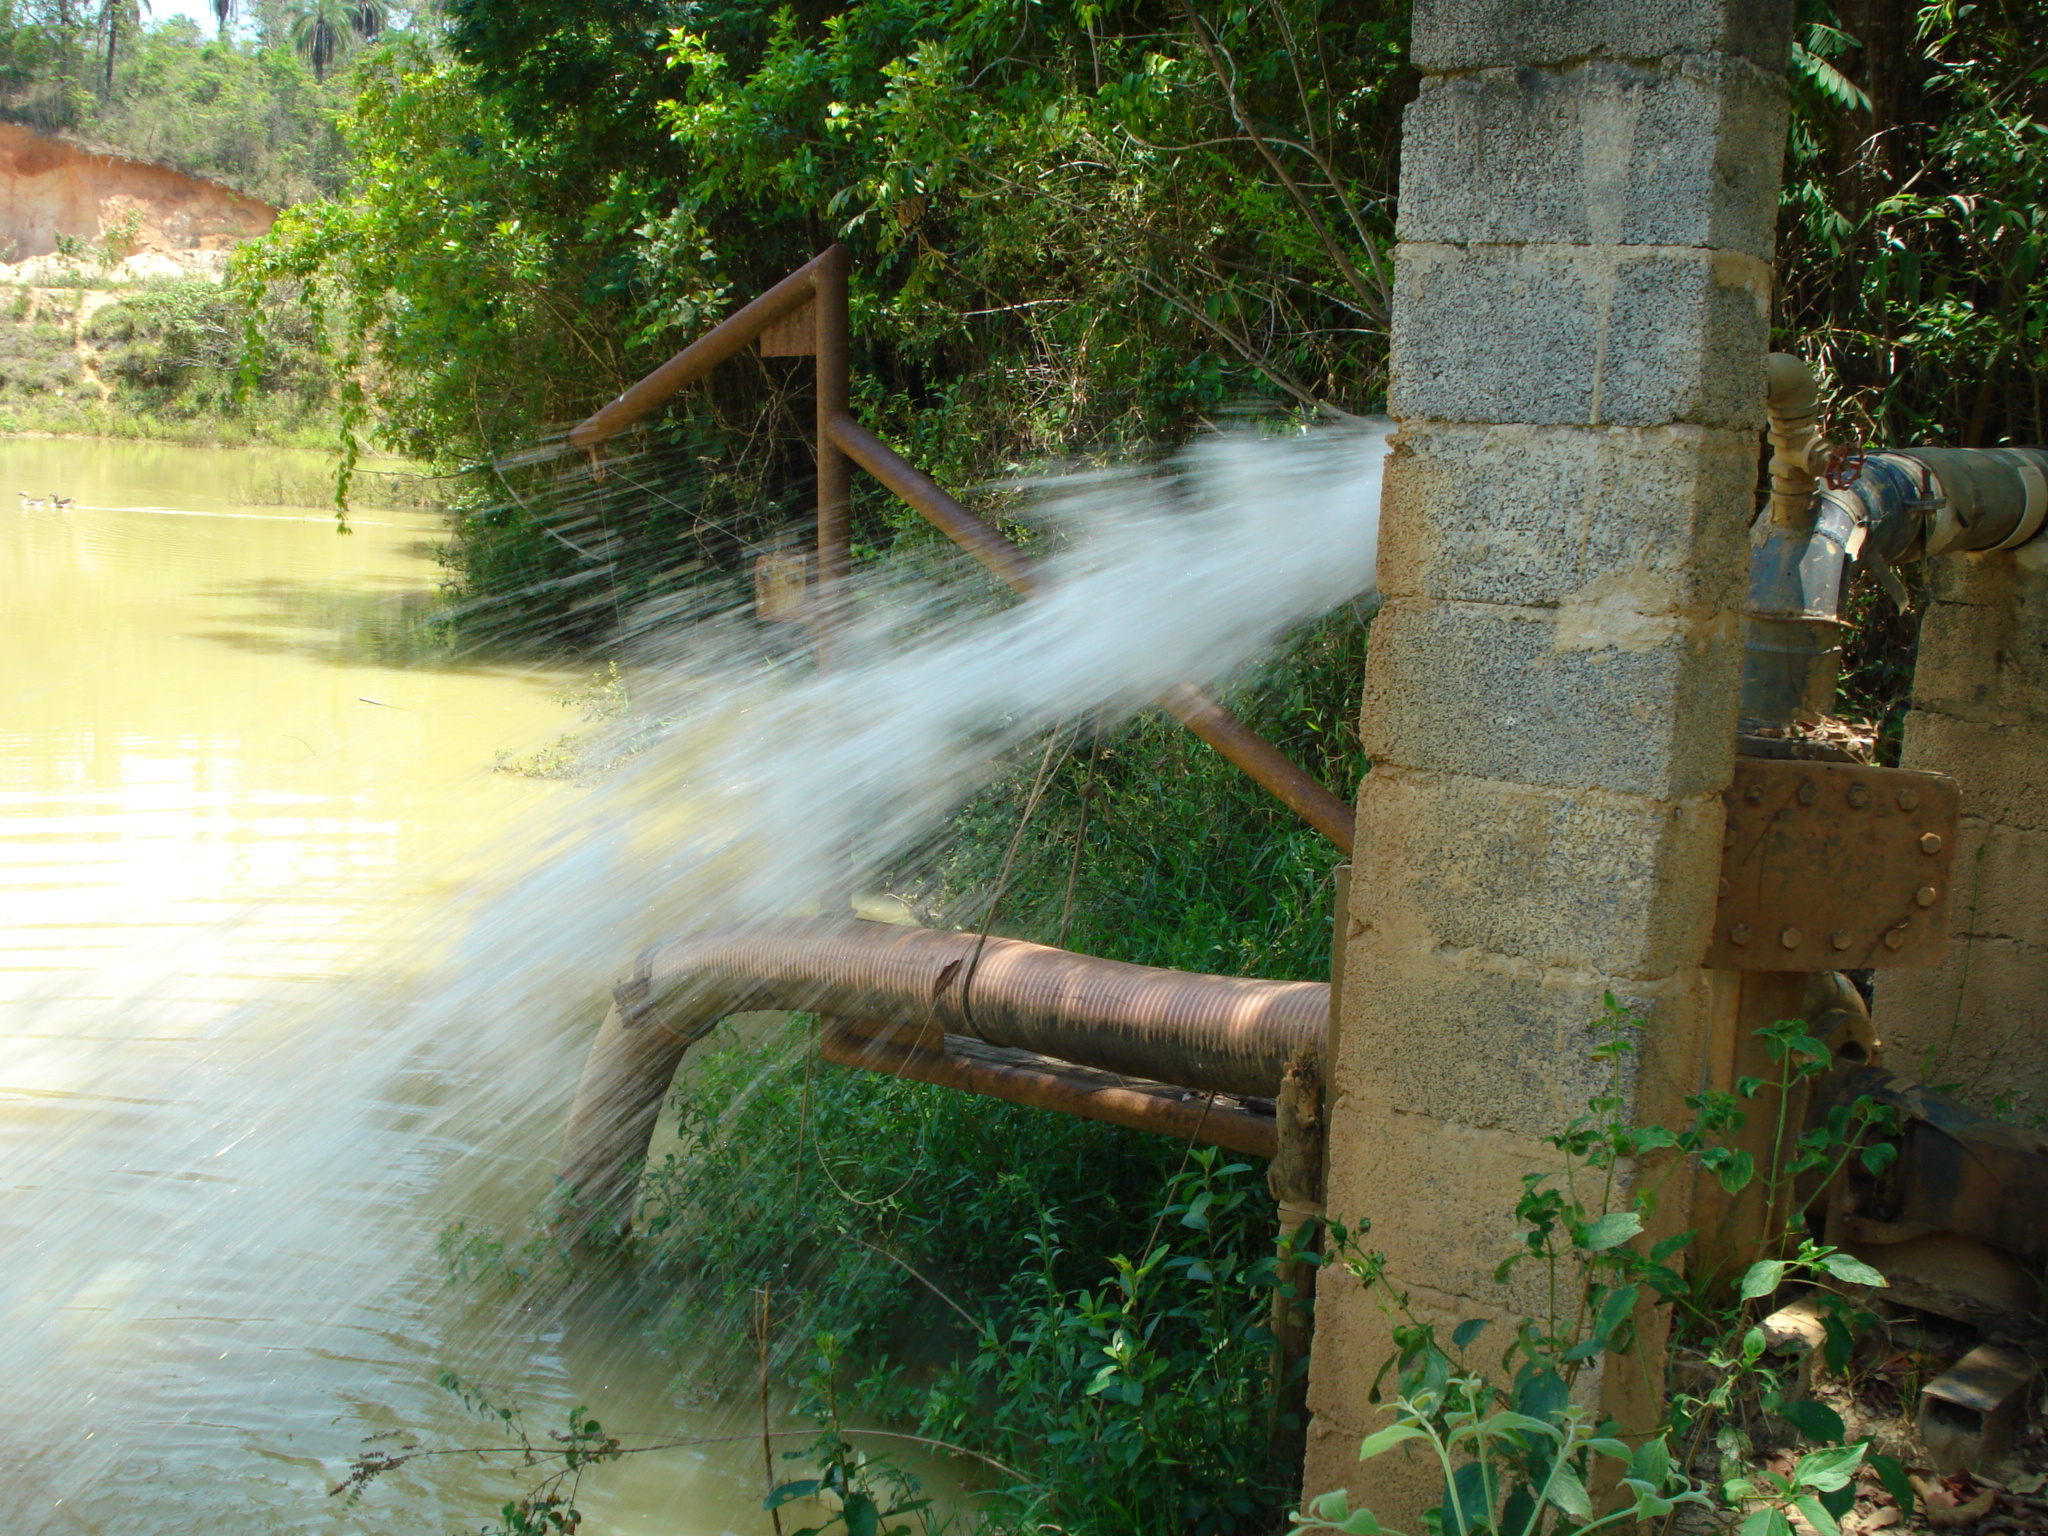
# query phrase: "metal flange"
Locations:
[[1834, 867]]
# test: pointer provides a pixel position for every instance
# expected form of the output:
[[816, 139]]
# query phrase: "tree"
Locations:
[[117, 16], [323, 30]]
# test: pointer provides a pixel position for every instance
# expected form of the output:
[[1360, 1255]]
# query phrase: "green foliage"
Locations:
[[548, 208], [163, 360], [243, 110], [1144, 1403], [1910, 251], [175, 351], [1518, 1454], [1911, 245], [866, 1493], [842, 1189], [323, 31], [913, 1225]]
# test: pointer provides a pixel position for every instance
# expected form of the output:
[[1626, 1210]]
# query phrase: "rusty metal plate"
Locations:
[[1834, 867]]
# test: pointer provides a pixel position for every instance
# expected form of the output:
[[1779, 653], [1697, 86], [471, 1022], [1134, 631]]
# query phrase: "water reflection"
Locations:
[[237, 764]]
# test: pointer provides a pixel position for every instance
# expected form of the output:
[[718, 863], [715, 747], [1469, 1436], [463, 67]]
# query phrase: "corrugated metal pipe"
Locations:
[[1831, 511], [1220, 1033]]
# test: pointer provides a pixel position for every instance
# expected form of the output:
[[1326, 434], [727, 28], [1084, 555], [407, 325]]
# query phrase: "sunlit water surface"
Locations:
[[233, 780], [294, 979]]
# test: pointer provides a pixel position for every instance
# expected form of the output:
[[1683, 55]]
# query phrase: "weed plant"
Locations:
[[962, 1268]]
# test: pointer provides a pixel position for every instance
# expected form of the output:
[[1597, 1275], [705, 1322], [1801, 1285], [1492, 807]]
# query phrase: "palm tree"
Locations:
[[322, 30], [224, 12], [116, 17]]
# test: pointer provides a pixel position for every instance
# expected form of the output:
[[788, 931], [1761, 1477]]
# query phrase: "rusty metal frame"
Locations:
[[1045, 1082], [820, 286]]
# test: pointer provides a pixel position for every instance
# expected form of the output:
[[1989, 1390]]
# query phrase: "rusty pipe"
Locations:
[[1004, 560], [840, 437], [835, 477], [706, 352], [1218, 1033], [1792, 403], [1221, 1032], [1262, 762], [1021, 1077]]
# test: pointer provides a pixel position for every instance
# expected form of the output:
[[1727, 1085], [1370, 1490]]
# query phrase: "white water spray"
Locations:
[[742, 803]]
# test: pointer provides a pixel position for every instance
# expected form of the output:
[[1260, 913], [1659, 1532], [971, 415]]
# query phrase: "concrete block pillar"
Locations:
[[1588, 192], [1979, 1021]]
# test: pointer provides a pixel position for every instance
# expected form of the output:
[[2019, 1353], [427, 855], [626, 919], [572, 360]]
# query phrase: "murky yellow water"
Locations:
[[232, 773]]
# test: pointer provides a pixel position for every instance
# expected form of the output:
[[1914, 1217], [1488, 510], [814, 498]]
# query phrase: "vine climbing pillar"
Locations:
[[1588, 193]]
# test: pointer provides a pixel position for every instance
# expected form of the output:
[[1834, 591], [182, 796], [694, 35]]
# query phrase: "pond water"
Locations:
[[234, 778]]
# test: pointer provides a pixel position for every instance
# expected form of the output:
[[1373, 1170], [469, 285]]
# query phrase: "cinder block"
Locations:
[[1601, 697], [1440, 1198], [1482, 1044], [1581, 880], [1534, 516], [1681, 152], [1999, 767], [2001, 884], [1977, 1024], [1478, 34], [1984, 641], [1579, 336]]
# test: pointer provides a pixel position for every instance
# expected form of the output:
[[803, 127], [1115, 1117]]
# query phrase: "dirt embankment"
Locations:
[[51, 189]]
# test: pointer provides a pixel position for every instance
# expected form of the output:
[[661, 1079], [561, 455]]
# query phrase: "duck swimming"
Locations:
[[62, 503], [28, 500]]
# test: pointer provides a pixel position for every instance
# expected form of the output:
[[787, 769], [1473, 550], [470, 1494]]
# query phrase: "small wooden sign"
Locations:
[[794, 335], [782, 586]]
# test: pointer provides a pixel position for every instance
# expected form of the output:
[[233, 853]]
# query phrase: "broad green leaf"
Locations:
[[1816, 1421], [1816, 1516], [1331, 1506], [1762, 1278], [1827, 1470], [1651, 1462], [1469, 1500], [1846, 1267], [784, 1492], [860, 1514], [1615, 1308], [1769, 1521], [1380, 1441], [1610, 1231], [1363, 1524], [1467, 1331], [1568, 1493], [1673, 1244], [1892, 1473], [1507, 1420], [1737, 1171]]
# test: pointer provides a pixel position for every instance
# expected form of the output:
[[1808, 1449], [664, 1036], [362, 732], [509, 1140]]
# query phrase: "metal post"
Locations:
[[1295, 1177], [834, 472]]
